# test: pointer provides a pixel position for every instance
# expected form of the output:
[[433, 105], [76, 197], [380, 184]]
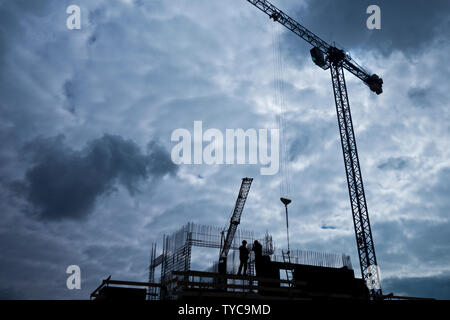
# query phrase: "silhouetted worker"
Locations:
[[257, 248], [243, 257]]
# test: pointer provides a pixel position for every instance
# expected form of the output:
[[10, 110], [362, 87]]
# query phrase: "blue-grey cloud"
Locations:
[[408, 26], [420, 97], [437, 287], [70, 96], [9, 293], [394, 164]]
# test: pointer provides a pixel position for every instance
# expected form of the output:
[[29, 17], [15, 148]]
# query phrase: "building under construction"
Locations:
[[308, 274], [269, 273], [267, 278]]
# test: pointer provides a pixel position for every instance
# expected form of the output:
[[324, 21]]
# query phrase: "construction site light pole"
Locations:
[[330, 57]]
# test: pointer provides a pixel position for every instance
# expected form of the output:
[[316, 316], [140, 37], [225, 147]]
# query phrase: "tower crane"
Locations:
[[328, 56], [234, 222]]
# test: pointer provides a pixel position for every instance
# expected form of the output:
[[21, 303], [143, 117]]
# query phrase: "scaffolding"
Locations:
[[315, 258], [177, 250]]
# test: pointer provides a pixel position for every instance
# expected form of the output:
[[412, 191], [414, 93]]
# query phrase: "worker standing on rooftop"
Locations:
[[257, 248], [243, 257]]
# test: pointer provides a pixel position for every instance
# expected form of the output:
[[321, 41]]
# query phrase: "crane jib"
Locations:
[[372, 81]]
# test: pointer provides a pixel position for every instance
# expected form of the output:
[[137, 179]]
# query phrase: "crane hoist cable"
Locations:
[[280, 107], [281, 122]]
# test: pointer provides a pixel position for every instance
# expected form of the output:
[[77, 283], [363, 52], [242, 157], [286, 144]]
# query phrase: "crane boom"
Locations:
[[373, 81], [278, 15], [335, 59], [234, 221]]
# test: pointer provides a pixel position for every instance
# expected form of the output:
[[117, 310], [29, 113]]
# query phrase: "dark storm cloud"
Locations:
[[437, 287], [69, 92], [206, 212], [10, 293], [310, 136], [65, 183], [435, 196], [394, 164], [420, 243], [419, 97], [423, 242], [408, 26]]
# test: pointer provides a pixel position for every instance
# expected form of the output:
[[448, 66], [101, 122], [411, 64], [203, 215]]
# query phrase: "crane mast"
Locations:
[[234, 222], [330, 57]]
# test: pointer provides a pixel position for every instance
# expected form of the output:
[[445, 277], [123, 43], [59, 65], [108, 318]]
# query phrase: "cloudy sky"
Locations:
[[86, 117]]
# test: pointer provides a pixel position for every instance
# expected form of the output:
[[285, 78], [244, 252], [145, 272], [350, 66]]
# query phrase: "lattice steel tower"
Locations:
[[330, 57]]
